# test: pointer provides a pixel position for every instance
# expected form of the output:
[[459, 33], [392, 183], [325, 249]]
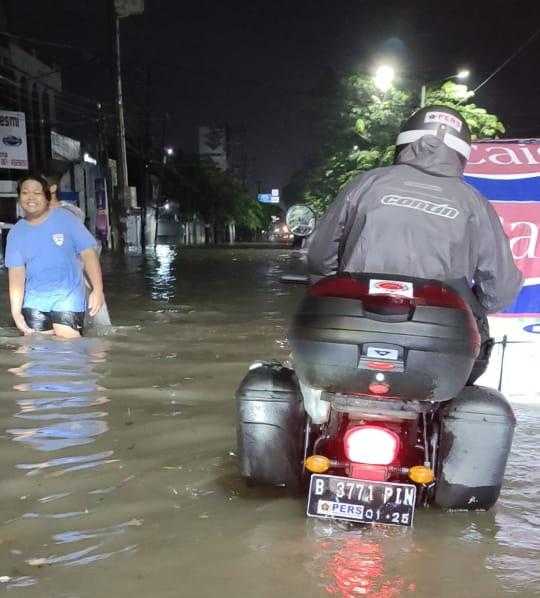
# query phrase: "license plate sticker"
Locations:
[[362, 501], [391, 287]]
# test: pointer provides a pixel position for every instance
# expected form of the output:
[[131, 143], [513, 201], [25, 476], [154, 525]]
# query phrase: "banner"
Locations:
[[13, 144], [507, 172]]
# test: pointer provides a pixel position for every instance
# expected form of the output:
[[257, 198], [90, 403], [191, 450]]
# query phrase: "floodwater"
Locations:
[[119, 474]]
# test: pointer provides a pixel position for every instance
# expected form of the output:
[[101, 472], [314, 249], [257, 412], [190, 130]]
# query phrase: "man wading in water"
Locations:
[[46, 254]]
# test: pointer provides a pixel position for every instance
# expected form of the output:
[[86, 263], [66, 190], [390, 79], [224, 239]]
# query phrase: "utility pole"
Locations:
[[162, 177], [146, 159], [123, 180], [121, 9], [113, 234]]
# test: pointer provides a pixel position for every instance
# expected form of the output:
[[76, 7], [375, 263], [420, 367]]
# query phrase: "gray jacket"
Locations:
[[418, 218]]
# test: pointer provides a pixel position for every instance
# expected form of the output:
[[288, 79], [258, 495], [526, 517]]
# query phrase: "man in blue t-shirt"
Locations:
[[45, 253]]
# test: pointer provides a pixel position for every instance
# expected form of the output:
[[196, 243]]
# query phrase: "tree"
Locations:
[[360, 134], [204, 191]]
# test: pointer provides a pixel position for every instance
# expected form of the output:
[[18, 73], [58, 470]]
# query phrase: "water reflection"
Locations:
[[428, 560], [63, 410], [71, 518], [57, 367], [360, 560], [358, 568], [163, 278]]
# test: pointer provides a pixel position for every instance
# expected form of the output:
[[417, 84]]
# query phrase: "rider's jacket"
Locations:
[[418, 218]]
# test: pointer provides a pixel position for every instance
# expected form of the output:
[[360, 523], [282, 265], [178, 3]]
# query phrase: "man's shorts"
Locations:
[[41, 321]]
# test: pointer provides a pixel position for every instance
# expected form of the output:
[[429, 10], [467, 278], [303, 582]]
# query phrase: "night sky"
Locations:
[[252, 63]]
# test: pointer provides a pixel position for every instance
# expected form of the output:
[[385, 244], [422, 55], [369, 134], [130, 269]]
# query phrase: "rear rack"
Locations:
[[364, 404]]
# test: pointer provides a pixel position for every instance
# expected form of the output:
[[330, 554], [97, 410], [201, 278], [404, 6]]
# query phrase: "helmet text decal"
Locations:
[[443, 118]]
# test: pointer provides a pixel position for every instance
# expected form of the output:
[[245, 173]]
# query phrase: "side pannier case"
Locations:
[[270, 426], [476, 436]]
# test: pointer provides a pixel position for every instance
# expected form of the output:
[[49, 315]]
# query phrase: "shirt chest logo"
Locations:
[[58, 238]]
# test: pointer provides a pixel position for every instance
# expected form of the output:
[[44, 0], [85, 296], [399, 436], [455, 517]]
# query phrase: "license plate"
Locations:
[[363, 501]]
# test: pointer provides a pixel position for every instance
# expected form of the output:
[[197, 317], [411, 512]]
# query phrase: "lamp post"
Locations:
[[167, 153], [461, 75]]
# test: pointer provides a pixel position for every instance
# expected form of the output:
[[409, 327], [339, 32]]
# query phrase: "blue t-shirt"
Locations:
[[50, 253]]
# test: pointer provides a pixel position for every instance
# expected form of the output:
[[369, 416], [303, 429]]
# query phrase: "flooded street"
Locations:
[[119, 473]]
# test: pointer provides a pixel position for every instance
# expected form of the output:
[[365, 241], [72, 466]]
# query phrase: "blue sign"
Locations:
[[534, 328], [267, 198]]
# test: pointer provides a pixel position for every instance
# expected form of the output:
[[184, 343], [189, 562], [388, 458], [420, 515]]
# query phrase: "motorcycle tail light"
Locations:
[[379, 388], [371, 444], [342, 286]]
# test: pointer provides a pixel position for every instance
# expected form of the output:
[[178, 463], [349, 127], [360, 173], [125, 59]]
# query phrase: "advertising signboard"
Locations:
[[507, 172], [13, 142]]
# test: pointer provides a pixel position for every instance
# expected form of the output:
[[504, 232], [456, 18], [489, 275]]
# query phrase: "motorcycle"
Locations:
[[376, 417]]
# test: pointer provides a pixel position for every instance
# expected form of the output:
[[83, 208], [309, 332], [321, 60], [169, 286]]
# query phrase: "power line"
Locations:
[[61, 102], [66, 93], [61, 69], [510, 58], [33, 40]]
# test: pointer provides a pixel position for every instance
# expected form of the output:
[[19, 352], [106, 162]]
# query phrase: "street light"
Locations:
[[167, 153], [383, 78], [462, 74]]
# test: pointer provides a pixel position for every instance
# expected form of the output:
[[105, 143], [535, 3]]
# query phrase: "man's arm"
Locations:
[[326, 244], [93, 271], [497, 278], [17, 279]]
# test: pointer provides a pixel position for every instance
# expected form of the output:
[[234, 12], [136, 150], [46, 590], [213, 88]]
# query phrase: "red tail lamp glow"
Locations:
[[382, 366], [371, 445], [379, 388]]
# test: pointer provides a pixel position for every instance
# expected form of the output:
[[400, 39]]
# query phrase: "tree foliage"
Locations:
[[359, 125], [205, 192]]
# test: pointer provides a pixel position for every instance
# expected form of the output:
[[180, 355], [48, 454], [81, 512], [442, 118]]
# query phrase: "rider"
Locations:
[[419, 218]]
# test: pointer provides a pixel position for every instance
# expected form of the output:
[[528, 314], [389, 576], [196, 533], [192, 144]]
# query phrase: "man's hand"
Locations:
[[93, 271], [96, 299], [21, 324]]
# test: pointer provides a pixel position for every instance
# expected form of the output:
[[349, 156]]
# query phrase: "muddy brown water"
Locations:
[[118, 467]]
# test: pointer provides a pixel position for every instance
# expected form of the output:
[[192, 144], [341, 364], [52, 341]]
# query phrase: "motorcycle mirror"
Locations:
[[300, 220]]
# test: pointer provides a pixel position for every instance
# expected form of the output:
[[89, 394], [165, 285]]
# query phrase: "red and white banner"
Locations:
[[507, 172], [505, 159]]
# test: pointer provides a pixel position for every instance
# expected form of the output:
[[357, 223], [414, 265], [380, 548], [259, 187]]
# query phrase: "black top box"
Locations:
[[387, 336]]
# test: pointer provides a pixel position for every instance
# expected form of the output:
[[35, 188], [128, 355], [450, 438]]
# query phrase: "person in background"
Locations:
[[46, 254], [101, 318], [56, 202]]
